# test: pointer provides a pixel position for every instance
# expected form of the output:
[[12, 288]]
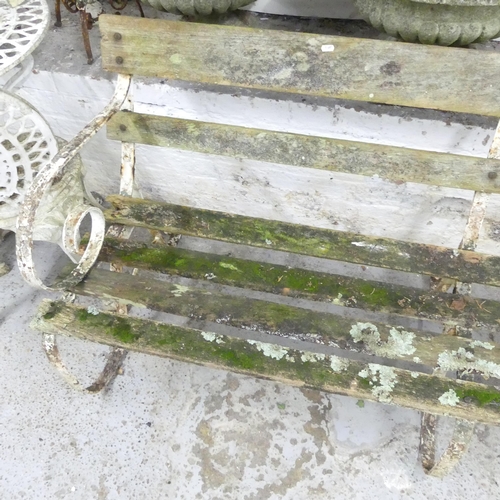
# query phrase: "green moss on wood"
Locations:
[[258, 359], [463, 265], [295, 282]]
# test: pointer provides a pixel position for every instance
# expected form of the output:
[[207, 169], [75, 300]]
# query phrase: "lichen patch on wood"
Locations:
[[361, 380]]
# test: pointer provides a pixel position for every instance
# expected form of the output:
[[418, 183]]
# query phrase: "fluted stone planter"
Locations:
[[439, 22], [196, 7]]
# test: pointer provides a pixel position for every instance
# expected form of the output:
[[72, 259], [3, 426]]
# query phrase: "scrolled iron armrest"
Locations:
[[41, 184]]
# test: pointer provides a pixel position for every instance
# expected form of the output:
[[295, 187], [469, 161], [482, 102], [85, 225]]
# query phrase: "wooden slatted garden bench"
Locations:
[[269, 320]]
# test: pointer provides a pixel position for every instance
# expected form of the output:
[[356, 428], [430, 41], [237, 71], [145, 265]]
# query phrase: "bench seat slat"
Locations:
[[360, 158], [463, 265], [274, 362], [270, 318], [443, 78], [294, 282]]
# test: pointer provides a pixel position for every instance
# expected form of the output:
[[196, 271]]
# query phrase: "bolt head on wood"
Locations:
[[117, 37], [492, 175], [123, 127], [119, 60]]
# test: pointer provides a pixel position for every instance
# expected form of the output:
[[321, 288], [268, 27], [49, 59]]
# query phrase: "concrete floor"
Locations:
[[169, 430]]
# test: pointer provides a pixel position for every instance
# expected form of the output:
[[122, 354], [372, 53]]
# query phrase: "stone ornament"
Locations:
[[197, 7], [443, 22]]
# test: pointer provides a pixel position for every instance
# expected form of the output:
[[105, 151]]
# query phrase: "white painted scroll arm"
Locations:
[[42, 183]]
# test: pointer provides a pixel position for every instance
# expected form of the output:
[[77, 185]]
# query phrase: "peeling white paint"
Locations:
[[179, 290], [383, 379], [399, 343], [312, 357], [449, 398], [271, 350], [462, 360], [484, 345], [338, 364]]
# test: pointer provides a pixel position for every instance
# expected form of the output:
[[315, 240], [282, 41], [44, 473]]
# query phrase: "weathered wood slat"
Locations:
[[432, 394], [462, 265], [393, 163], [390, 341], [464, 311], [340, 67]]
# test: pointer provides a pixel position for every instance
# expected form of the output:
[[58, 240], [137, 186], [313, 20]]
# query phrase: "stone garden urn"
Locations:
[[439, 22], [197, 7]]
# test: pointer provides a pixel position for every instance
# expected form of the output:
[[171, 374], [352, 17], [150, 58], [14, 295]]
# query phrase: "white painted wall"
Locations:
[[367, 205]]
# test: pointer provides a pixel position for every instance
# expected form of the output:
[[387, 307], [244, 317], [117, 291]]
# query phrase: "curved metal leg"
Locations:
[[110, 371], [459, 444]]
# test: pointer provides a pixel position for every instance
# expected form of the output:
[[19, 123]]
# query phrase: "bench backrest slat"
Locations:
[[397, 73], [336, 155]]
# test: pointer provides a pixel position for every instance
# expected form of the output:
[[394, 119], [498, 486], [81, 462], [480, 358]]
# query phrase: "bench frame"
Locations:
[[298, 363]]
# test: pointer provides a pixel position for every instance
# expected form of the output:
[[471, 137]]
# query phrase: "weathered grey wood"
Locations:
[[393, 163], [280, 319], [342, 67], [463, 265], [464, 311], [297, 367]]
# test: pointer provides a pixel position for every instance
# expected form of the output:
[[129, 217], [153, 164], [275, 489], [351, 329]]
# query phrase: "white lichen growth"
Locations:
[[449, 398], [416, 359], [289, 358], [484, 345], [399, 343], [466, 362], [338, 364], [210, 276], [211, 337], [338, 300], [179, 290], [414, 374], [383, 379], [93, 310], [312, 357], [226, 265], [271, 350]]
